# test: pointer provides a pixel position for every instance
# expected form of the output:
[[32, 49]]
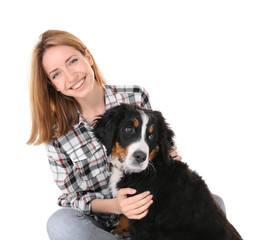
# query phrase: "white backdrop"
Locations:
[[197, 59]]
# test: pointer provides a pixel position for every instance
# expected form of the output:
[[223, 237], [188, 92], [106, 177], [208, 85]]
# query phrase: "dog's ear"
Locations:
[[105, 126], [166, 136]]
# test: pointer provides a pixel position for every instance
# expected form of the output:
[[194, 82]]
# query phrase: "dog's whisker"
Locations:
[[151, 166]]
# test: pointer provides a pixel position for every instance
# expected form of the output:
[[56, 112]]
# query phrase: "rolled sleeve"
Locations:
[[80, 172]]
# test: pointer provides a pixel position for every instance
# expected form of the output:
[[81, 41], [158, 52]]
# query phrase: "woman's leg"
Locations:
[[69, 224], [220, 201]]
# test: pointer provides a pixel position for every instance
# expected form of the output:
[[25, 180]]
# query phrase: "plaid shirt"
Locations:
[[79, 162]]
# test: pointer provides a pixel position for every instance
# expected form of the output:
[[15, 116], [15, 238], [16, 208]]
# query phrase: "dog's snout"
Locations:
[[139, 156]]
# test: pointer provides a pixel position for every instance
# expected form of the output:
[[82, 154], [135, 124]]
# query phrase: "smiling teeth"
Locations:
[[78, 84]]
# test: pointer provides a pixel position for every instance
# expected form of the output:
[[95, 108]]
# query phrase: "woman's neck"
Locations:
[[94, 104]]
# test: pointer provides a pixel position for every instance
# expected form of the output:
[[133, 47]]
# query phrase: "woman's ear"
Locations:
[[88, 57]]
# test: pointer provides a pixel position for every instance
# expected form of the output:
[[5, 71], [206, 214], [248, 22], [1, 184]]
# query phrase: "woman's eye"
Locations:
[[55, 75], [74, 61], [151, 137], [130, 130]]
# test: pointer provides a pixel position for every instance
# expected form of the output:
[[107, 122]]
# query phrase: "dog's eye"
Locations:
[[151, 136], [130, 130]]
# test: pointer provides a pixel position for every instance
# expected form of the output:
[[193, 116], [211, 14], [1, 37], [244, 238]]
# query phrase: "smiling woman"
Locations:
[[61, 62]]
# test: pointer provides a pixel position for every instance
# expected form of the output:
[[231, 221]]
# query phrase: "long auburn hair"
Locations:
[[52, 113]]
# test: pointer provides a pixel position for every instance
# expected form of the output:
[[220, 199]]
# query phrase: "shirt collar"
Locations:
[[110, 101]]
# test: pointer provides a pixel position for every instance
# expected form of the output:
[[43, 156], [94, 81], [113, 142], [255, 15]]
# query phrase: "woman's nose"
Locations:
[[71, 75]]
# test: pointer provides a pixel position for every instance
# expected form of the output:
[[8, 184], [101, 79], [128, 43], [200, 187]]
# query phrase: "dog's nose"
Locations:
[[139, 156]]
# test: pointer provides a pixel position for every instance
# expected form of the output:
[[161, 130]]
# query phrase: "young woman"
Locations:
[[67, 92]]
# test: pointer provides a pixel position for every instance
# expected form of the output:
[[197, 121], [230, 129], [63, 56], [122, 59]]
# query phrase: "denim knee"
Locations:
[[60, 224], [220, 201], [69, 224]]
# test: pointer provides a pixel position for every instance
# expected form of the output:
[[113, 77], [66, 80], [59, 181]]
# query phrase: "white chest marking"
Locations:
[[114, 179]]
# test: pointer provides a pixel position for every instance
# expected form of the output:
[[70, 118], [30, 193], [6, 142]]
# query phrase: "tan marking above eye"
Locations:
[[136, 123], [151, 128]]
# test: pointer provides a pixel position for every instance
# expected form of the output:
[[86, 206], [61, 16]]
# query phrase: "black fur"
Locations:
[[183, 208]]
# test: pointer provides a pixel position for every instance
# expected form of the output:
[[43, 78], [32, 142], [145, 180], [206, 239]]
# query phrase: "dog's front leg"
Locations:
[[122, 229]]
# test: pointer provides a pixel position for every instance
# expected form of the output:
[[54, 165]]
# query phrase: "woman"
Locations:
[[67, 92]]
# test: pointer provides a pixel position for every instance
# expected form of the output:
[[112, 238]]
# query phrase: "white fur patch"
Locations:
[[115, 178], [140, 145]]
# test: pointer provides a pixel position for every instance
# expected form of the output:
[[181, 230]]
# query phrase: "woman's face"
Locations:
[[69, 71]]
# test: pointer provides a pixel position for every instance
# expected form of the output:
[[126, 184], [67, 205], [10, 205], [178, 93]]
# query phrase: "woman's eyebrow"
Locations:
[[67, 60], [52, 72]]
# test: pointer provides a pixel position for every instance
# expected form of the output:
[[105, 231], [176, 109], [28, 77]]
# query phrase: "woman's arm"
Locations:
[[70, 177], [135, 207]]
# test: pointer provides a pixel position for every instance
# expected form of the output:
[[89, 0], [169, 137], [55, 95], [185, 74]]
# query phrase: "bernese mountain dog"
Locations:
[[139, 142]]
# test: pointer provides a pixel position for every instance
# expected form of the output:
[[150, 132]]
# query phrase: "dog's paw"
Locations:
[[122, 229]]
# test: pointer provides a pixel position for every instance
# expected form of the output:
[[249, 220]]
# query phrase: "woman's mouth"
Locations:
[[79, 84]]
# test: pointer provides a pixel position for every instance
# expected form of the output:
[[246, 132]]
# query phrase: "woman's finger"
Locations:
[[141, 209], [136, 198], [174, 153]]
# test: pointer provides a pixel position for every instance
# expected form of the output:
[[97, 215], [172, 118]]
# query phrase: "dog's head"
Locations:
[[134, 136]]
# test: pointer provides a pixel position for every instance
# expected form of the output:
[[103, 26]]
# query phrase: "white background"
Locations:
[[197, 59]]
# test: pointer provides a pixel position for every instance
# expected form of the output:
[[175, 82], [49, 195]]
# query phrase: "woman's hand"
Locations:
[[175, 154], [135, 207]]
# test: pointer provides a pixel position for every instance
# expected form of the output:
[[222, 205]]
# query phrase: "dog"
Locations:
[[139, 142]]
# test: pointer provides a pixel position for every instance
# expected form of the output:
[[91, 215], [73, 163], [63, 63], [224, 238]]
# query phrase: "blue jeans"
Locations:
[[71, 224]]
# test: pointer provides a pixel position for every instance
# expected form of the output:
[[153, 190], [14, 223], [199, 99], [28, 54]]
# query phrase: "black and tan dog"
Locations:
[[139, 142]]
